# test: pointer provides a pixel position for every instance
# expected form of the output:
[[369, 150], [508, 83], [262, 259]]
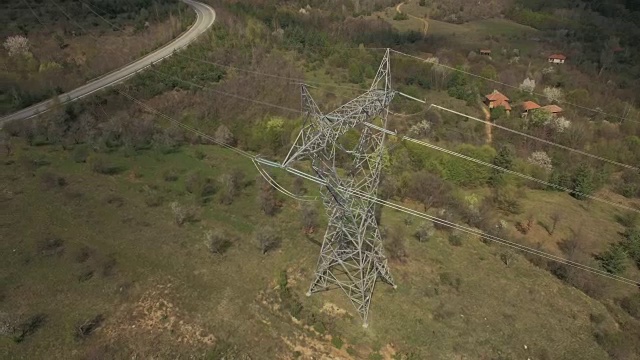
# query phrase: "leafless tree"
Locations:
[[429, 189], [224, 135], [309, 217], [267, 239], [217, 241], [394, 244], [555, 219], [298, 186], [267, 198]]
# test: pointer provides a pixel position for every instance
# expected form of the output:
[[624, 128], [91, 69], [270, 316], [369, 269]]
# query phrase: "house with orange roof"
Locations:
[[496, 99], [557, 59], [553, 109], [528, 106]]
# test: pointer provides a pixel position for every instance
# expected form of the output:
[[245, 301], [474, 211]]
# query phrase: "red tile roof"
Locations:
[[558, 56], [496, 96], [554, 109], [529, 105]]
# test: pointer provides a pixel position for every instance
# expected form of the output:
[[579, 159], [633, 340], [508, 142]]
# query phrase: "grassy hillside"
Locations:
[[95, 244]]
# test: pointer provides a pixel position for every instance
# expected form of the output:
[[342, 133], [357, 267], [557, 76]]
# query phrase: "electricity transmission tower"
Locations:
[[351, 257]]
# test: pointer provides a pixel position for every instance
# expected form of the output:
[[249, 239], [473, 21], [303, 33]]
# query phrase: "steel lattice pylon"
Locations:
[[351, 257]]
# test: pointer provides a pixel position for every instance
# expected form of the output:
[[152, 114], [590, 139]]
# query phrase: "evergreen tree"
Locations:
[[613, 260], [582, 182], [503, 159]]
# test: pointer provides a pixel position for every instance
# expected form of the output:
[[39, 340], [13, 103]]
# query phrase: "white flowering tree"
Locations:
[[16, 45], [541, 159], [528, 85], [554, 94], [420, 129], [559, 124]]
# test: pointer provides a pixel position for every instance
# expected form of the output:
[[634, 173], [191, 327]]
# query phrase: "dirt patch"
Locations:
[[155, 314]]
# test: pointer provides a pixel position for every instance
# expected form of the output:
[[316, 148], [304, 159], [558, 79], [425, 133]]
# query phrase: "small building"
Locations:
[[557, 59], [485, 52], [553, 109], [528, 106], [496, 99]]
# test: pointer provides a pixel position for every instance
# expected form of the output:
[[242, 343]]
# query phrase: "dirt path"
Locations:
[[487, 126], [425, 24]]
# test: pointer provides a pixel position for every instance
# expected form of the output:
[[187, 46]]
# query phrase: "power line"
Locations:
[[73, 21], [396, 206], [450, 152], [384, 202], [509, 85], [536, 138]]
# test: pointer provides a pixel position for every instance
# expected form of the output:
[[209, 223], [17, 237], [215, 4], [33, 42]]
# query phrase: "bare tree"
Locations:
[[555, 219], [267, 198], [217, 241], [182, 214], [5, 142], [298, 186], [394, 244], [309, 217], [425, 231], [429, 189], [267, 239], [224, 135]]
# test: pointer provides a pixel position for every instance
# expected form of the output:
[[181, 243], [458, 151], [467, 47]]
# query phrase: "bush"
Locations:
[[507, 199], [200, 186], [88, 326], [50, 180], [425, 231], [631, 304], [80, 153], [395, 244], [170, 175], [400, 16], [267, 239], [182, 214], [218, 242], [309, 217], [29, 326], [631, 244], [101, 165], [455, 239], [337, 342]]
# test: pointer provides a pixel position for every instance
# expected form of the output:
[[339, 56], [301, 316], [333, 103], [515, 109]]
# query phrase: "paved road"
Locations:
[[205, 18]]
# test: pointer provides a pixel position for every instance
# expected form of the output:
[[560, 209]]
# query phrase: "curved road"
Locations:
[[205, 18]]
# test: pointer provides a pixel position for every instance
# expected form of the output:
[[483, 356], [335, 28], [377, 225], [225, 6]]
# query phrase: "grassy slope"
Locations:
[[168, 294]]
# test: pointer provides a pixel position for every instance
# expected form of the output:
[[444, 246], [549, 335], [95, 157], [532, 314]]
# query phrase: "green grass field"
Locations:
[[162, 294]]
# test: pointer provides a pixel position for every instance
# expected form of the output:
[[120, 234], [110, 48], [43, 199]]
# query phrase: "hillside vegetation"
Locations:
[[128, 236]]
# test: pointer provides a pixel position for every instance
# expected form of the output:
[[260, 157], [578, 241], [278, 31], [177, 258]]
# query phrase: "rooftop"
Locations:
[[554, 109], [529, 105], [497, 96], [558, 56]]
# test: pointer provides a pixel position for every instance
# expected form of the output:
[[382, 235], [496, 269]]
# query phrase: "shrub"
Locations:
[[170, 175], [631, 304], [507, 199], [50, 180], [101, 165], [182, 214], [80, 153], [631, 244], [218, 242], [337, 342], [455, 239], [29, 326], [267, 239], [309, 217], [395, 244], [87, 327], [201, 187], [425, 231], [400, 16]]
